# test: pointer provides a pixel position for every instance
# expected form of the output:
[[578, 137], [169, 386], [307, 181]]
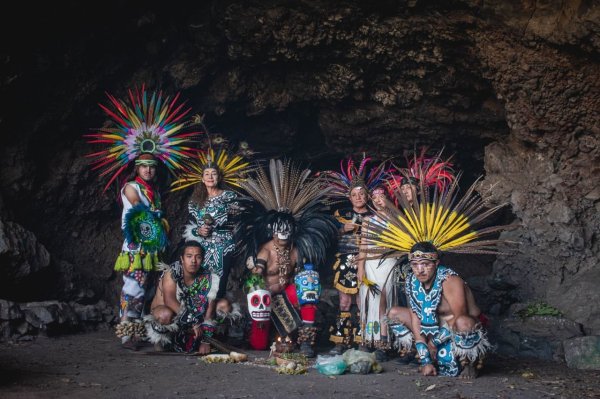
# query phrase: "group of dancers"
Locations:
[[279, 221]]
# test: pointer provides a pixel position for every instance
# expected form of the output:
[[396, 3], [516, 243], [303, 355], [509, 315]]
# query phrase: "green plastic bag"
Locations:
[[330, 365]]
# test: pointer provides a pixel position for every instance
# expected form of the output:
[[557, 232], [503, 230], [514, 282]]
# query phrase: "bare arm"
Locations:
[[296, 262], [262, 259], [454, 294], [131, 194], [170, 293], [362, 255], [427, 367], [415, 325]]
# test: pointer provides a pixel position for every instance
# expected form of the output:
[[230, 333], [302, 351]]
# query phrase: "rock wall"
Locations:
[[547, 170], [510, 87]]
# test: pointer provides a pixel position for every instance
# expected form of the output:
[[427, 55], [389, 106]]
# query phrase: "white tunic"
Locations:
[[127, 206]]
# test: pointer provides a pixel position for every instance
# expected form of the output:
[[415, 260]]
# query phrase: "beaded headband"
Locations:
[[420, 255]]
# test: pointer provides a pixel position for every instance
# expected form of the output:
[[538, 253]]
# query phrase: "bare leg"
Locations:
[[210, 310], [345, 301], [160, 326], [382, 318], [163, 314], [401, 314], [464, 324]]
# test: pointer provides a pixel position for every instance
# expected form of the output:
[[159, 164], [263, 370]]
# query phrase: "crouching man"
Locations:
[[443, 317], [177, 320]]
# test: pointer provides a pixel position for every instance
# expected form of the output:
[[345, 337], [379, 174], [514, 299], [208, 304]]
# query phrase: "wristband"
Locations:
[[423, 353], [208, 329]]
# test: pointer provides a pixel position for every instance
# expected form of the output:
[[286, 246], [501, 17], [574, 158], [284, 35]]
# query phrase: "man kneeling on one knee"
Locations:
[[177, 314], [443, 318]]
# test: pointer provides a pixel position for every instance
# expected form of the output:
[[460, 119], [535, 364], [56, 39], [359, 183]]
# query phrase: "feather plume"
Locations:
[[450, 223], [431, 170], [156, 122], [342, 182], [286, 192]]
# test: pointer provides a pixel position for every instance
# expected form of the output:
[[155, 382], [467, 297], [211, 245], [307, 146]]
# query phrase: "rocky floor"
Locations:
[[93, 365]]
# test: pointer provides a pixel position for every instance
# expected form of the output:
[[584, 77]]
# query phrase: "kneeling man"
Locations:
[[177, 320], [443, 318]]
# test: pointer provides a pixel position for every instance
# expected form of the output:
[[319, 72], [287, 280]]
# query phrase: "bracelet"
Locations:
[[423, 353], [442, 336], [208, 329]]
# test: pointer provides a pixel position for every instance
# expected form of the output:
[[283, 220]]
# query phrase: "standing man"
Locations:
[[145, 236], [144, 130], [351, 184], [283, 227]]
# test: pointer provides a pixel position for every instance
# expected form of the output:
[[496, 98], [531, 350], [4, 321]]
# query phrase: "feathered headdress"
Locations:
[[448, 222], [286, 194], [350, 176], [148, 124], [232, 166], [431, 170]]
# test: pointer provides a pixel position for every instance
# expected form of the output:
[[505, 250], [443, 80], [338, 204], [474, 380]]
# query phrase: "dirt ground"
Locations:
[[93, 365]]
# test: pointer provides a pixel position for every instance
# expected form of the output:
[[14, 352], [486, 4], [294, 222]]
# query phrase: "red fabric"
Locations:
[[307, 312], [259, 335], [483, 319], [290, 291], [147, 189], [189, 342]]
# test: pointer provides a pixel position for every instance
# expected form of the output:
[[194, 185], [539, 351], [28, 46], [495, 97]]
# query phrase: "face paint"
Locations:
[[308, 285], [259, 305], [282, 229]]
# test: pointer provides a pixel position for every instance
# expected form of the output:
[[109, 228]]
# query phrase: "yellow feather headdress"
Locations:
[[448, 222], [233, 167]]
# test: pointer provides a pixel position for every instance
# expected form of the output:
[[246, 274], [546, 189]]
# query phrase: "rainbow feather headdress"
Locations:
[[448, 222], [350, 176], [148, 123]]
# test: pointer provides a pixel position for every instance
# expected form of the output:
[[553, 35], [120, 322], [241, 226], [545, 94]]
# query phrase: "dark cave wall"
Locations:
[[510, 87], [548, 171]]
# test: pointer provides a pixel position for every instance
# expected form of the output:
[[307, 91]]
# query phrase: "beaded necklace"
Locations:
[[284, 261]]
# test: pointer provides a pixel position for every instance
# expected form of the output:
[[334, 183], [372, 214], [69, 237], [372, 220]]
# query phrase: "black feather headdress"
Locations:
[[286, 194]]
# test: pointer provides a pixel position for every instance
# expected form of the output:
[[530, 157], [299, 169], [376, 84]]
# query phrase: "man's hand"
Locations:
[[204, 231], [360, 275], [428, 369], [349, 227], [204, 349], [197, 332]]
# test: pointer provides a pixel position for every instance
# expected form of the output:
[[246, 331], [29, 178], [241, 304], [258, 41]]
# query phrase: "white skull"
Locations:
[[145, 230], [259, 305]]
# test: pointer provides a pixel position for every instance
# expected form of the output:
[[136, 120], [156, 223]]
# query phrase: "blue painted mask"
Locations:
[[308, 285]]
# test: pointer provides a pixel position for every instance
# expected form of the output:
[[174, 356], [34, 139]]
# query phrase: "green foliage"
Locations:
[[539, 309], [295, 357]]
